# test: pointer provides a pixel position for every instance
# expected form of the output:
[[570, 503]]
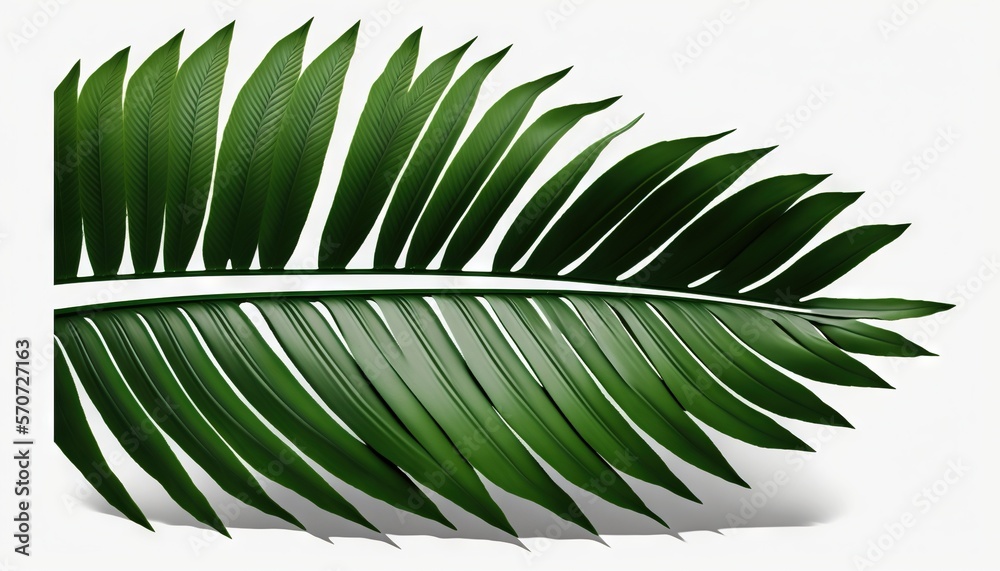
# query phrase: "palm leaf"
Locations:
[[670, 302]]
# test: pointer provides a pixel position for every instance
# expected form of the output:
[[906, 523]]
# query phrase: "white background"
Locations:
[[894, 76]]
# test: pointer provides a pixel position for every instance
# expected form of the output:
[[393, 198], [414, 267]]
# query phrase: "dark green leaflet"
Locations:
[[421, 173], [193, 118], [300, 150], [470, 166], [65, 155], [74, 437], [544, 204], [579, 398], [722, 233], [740, 370], [265, 381], [389, 384], [780, 241], [166, 403], [825, 263], [607, 200], [885, 308], [793, 344], [102, 173], [694, 388], [858, 337], [146, 110], [245, 156], [387, 130], [126, 419], [235, 422], [506, 182], [663, 213], [635, 385], [340, 382], [527, 407], [443, 385]]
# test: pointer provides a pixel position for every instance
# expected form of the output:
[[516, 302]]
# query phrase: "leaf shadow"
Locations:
[[807, 500]]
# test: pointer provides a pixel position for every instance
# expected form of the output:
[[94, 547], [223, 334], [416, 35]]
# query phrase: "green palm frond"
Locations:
[[656, 296]]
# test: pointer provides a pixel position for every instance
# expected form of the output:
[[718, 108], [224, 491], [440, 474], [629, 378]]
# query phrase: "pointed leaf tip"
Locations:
[[554, 77], [562, 73], [499, 55], [460, 50], [74, 70], [714, 137]]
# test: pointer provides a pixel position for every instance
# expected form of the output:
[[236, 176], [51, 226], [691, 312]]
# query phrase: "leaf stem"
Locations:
[[525, 284]]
